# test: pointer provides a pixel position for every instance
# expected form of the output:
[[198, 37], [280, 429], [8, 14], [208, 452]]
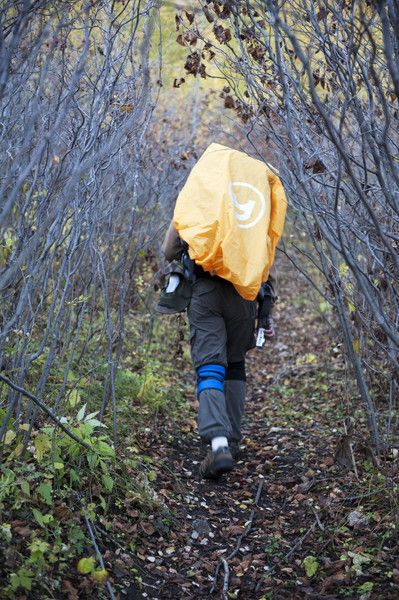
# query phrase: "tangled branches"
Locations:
[[317, 88]]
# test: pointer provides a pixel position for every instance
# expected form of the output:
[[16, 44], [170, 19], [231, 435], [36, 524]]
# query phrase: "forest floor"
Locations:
[[306, 512]]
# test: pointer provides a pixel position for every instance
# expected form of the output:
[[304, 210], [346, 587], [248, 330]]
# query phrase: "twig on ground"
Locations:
[[225, 578], [295, 547], [300, 541], [224, 561], [249, 522], [358, 497], [44, 408], [126, 552], [215, 577], [353, 460], [319, 523], [99, 555]]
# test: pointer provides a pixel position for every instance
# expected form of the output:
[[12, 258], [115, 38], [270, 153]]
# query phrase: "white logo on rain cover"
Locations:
[[243, 211]]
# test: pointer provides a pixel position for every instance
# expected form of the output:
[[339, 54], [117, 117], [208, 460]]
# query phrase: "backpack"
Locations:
[[231, 214]]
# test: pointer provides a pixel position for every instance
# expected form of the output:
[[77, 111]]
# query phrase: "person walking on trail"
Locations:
[[227, 221]]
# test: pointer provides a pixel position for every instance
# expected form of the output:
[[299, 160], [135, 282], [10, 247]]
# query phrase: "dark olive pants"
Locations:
[[222, 326]]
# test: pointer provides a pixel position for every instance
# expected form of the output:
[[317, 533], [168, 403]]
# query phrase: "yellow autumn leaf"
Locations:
[[307, 359], [74, 398], [152, 475], [42, 444], [310, 358], [351, 307], [100, 575], [17, 451], [356, 346], [9, 437], [86, 565], [343, 269]]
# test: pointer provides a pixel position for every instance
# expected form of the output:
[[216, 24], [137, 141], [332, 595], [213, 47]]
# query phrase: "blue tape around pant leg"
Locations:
[[210, 384], [219, 369], [211, 377]]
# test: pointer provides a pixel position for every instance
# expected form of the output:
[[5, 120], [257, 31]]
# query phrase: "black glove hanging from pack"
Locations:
[[188, 263], [266, 299]]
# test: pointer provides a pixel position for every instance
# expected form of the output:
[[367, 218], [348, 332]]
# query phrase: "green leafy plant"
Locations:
[[366, 587], [311, 565], [21, 579]]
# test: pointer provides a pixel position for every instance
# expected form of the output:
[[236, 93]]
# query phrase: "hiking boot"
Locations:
[[216, 463]]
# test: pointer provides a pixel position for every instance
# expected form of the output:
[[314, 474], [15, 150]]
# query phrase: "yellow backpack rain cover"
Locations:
[[231, 213]]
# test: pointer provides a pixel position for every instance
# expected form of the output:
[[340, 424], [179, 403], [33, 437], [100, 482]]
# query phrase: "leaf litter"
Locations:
[[308, 511], [291, 520]]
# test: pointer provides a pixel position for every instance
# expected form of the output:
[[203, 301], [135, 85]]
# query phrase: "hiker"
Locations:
[[221, 313]]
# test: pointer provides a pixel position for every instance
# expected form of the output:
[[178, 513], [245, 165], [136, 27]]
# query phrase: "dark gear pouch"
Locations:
[[178, 298]]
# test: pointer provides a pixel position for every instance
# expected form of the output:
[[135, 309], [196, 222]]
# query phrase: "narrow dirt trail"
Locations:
[[256, 533]]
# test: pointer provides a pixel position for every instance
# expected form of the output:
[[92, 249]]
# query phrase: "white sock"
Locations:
[[219, 442]]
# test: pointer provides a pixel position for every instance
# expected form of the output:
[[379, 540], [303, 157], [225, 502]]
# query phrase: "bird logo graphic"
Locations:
[[249, 212]]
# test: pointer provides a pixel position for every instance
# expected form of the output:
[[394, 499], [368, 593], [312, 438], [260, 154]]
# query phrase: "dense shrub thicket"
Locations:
[[86, 183]]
